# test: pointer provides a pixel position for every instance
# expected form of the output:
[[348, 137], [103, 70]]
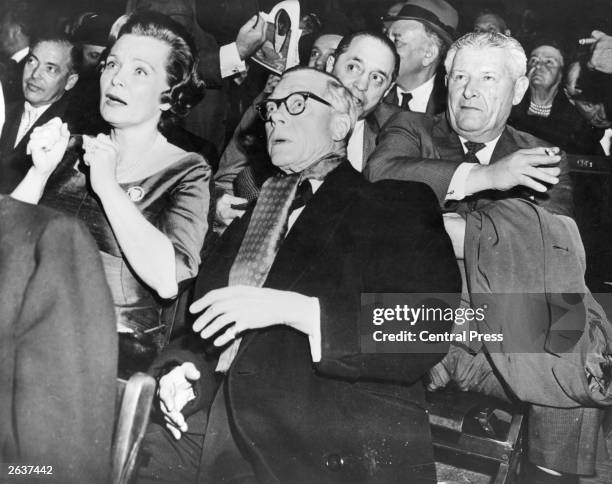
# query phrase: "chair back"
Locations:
[[134, 400]]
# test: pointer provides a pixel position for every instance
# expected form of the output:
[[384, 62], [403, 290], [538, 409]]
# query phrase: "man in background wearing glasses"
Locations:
[[292, 397]]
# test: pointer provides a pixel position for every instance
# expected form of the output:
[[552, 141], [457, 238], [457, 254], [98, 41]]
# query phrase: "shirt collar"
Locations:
[[483, 155], [420, 95], [20, 54]]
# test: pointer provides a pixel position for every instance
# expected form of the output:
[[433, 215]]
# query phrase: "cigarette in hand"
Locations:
[[587, 41]]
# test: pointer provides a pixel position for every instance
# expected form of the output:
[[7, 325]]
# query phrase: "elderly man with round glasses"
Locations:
[[289, 395]]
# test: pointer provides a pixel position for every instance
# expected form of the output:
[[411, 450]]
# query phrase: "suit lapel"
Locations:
[[314, 228], [370, 133], [56, 109], [437, 100], [446, 140], [505, 146], [11, 126]]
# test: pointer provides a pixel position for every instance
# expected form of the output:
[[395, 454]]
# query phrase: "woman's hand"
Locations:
[[47, 145], [101, 155]]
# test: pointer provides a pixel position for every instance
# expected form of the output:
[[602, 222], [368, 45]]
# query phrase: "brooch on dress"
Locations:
[[135, 193]]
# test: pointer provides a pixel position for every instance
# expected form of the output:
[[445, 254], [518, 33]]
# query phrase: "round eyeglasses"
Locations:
[[295, 103]]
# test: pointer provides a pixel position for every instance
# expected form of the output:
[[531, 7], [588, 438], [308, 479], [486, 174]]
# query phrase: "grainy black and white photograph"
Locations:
[[306, 241]]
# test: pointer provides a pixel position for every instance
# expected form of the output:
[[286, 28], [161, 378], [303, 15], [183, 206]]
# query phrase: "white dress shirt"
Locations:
[[456, 187], [605, 141], [29, 116], [354, 147], [230, 62], [420, 96], [20, 54]]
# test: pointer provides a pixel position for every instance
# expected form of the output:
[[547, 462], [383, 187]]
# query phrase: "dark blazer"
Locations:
[[292, 415], [58, 345], [11, 75], [437, 99], [14, 162], [424, 148]]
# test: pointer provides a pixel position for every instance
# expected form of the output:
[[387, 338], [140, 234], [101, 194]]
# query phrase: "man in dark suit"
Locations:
[[470, 157], [507, 163], [300, 401], [51, 70], [422, 31], [58, 347], [367, 64], [18, 27]]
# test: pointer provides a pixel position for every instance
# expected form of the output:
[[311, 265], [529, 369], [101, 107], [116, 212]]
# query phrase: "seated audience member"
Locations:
[[285, 313], [144, 199], [488, 21], [545, 110], [324, 46], [470, 149], [366, 63], [50, 71], [58, 348], [587, 92], [19, 25], [217, 66], [472, 160], [421, 31]]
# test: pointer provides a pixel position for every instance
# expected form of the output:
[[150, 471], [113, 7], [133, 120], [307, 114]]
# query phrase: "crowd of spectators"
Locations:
[[191, 198]]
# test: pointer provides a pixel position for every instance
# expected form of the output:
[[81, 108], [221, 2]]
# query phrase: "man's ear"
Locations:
[[520, 88], [431, 54], [72, 80], [391, 86], [340, 126], [329, 63]]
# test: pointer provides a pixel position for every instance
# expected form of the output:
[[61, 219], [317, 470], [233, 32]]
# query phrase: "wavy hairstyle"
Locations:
[[186, 88]]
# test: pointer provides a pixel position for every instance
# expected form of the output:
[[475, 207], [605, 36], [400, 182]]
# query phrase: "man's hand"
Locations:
[[251, 36], [527, 167], [224, 213], [252, 308], [601, 59], [175, 391], [48, 144], [455, 228]]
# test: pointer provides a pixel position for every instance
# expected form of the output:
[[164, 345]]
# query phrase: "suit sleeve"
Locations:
[[234, 159], [66, 357], [408, 251], [399, 155]]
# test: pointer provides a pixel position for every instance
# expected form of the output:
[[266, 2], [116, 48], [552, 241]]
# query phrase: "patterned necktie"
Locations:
[[472, 148], [406, 98], [470, 157], [266, 231]]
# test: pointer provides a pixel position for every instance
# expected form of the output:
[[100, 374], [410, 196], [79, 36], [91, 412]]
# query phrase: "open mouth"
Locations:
[[32, 87], [114, 100]]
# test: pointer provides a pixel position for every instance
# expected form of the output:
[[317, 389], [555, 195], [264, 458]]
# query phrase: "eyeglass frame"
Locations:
[[263, 113]]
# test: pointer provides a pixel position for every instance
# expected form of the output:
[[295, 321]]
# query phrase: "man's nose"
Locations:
[[278, 116], [362, 82], [36, 72], [470, 89]]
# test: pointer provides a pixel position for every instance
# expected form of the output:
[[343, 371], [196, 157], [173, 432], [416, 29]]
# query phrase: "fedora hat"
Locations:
[[437, 14]]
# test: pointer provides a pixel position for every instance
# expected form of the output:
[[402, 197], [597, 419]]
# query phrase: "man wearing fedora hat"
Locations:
[[422, 31]]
